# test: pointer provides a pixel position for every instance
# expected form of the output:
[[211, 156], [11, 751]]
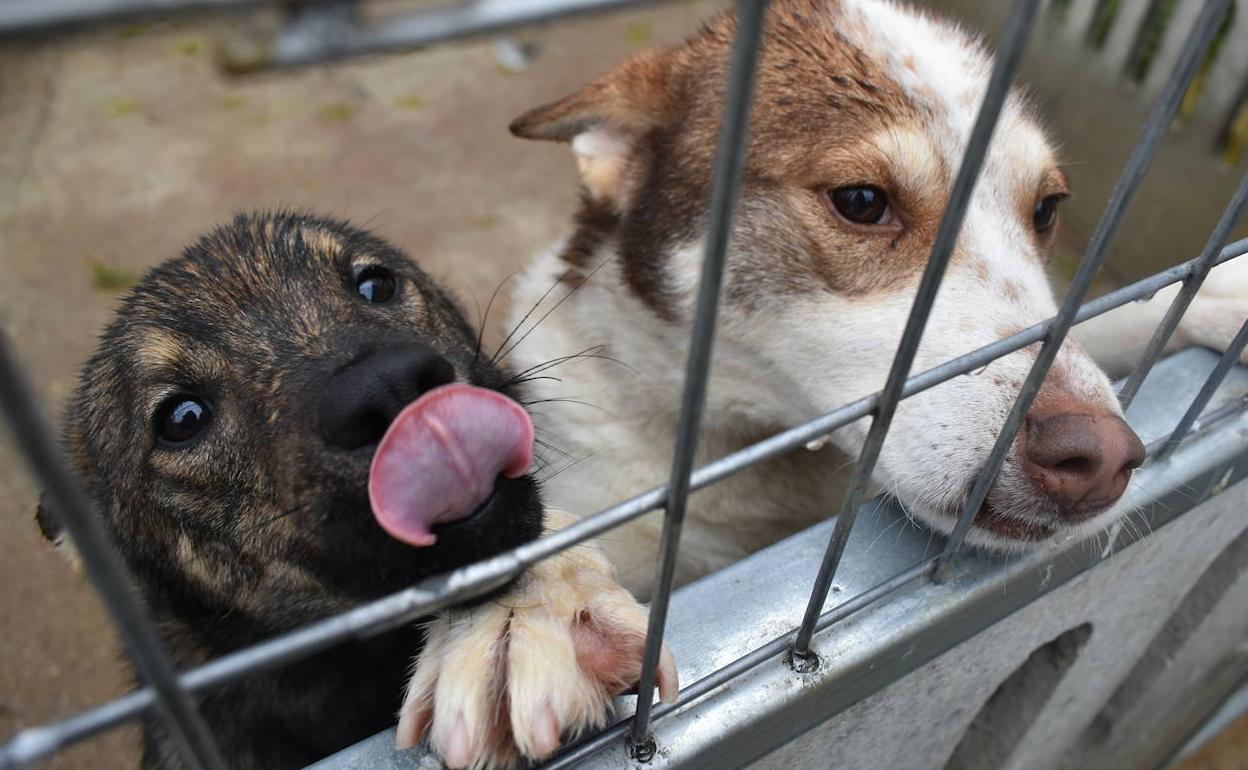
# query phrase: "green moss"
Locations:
[[1237, 137], [134, 30], [485, 221], [639, 33], [409, 102], [233, 101], [338, 112], [121, 107], [190, 47], [110, 278]]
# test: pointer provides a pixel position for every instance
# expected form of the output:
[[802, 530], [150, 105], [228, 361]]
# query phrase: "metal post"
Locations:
[[729, 163]]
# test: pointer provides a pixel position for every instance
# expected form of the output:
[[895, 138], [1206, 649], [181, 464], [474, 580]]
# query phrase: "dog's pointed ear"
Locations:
[[604, 119], [631, 98], [50, 525]]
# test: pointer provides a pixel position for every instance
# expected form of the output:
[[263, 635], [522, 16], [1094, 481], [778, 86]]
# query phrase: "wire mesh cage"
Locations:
[[173, 694]]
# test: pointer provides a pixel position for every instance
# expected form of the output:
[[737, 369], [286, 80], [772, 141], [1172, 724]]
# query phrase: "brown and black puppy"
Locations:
[[225, 429]]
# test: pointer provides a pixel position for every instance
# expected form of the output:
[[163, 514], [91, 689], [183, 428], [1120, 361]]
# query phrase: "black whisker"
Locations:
[[545, 479], [550, 446], [535, 368], [270, 520], [504, 351], [524, 318], [567, 401], [532, 379], [476, 354], [594, 351]]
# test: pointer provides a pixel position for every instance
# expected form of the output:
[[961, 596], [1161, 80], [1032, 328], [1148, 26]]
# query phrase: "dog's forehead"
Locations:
[[836, 75], [260, 284], [236, 280], [943, 71]]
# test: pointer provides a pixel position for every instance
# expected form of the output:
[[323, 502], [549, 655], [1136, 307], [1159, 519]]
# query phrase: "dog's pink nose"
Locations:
[[1081, 461]]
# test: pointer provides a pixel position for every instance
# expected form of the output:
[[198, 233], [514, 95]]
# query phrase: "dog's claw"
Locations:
[[458, 753], [545, 733], [669, 687]]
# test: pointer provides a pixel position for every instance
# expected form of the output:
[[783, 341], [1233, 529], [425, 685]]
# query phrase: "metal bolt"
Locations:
[[644, 751], [804, 662]]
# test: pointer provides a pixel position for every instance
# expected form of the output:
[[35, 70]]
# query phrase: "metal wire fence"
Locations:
[[173, 694]]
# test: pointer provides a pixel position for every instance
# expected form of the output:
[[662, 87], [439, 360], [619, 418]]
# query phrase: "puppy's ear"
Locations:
[[631, 98], [50, 525], [604, 119]]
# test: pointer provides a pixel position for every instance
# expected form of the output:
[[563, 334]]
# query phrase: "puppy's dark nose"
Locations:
[[362, 399], [1081, 461]]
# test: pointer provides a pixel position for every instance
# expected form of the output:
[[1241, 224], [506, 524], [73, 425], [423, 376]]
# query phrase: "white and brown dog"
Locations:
[[862, 111]]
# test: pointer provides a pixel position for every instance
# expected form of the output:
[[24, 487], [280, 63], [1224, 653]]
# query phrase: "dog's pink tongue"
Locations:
[[441, 456]]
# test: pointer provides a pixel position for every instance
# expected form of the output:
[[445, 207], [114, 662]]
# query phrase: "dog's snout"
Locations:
[[361, 400], [1081, 461]]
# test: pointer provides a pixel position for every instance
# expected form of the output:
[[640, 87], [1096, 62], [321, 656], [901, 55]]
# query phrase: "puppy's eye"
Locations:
[[181, 418], [1044, 216], [375, 284], [862, 204]]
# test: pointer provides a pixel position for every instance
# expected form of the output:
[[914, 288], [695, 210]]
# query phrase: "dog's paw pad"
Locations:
[[611, 652]]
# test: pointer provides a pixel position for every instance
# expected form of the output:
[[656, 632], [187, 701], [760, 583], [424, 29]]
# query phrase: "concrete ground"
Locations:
[[120, 145]]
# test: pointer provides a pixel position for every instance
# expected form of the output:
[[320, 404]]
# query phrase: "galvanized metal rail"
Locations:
[[323, 30]]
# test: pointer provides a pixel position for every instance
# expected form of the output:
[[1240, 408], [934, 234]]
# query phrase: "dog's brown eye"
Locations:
[[181, 418], [863, 205], [375, 284], [1044, 216]]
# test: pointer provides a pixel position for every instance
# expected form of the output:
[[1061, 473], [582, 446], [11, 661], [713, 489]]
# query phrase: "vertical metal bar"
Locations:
[[1017, 31], [1178, 307], [103, 564], [1155, 128], [729, 163], [1229, 358]]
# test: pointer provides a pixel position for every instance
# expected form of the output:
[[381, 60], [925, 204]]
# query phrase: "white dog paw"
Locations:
[[511, 679], [1219, 309]]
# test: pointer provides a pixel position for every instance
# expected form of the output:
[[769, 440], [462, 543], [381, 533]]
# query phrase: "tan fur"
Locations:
[[159, 350]]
